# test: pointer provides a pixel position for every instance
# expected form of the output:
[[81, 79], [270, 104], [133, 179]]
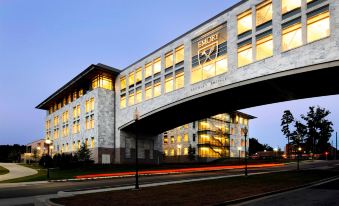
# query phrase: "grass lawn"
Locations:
[[3, 170], [201, 193]]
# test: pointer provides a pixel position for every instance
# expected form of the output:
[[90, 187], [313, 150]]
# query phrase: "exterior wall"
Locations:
[[320, 51], [102, 132]]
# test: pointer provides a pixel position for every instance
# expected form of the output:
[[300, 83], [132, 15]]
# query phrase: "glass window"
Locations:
[[148, 91], [92, 142], [165, 139], [245, 22], [81, 92], [291, 37], [148, 70], [168, 84], [289, 5], [87, 106], [221, 66], [172, 139], [179, 80], [138, 75], [318, 27], [171, 152], [102, 82], [131, 79], [178, 151], [92, 103], [123, 101], [208, 71], [178, 139], [179, 54], [185, 137], [138, 96], [157, 66], [264, 47], [185, 151], [123, 83], [69, 99], [168, 60], [196, 75], [245, 55], [131, 99], [264, 13], [157, 89]]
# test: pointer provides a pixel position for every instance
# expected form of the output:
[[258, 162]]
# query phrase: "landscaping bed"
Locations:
[[3, 171]]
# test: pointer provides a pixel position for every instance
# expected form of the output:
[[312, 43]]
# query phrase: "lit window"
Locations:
[[318, 26], [69, 99], [185, 137], [221, 66], [289, 5], [291, 37], [264, 13], [166, 152], [171, 152], [168, 60], [123, 101], [185, 151], [148, 70], [179, 54], [64, 101], [165, 139], [245, 22], [131, 98], [131, 79], [245, 55], [92, 122], [172, 139], [78, 126], [264, 47], [178, 151], [138, 75], [179, 80], [168, 83], [92, 142], [208, 71], [196, 75], [138, 96], [79, 144], [148, 91], [157, 66], [123, 83], [87, 123], [81, 92], [56, 121], [92, 104], [178, 139], [157, 89]]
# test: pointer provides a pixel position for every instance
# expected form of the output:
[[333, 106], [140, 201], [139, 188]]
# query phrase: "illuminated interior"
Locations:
[[245, 55], [291, 37], [138, 75], [157, 89], [101, 81], [318, 26], [138, 97], [123, 101], [264, 47], [148, 91], [289, 5], [131, 79], [213, 68], [179, 80], [148, 70], [169, 83], [131, 98], [245, 22], [264, 13], [157, 66], [179, 54], [168, 60]]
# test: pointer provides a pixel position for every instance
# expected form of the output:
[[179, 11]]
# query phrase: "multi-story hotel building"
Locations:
[[250, 40], [220, 136]]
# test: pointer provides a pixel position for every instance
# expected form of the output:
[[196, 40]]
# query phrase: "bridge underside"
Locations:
[[313, 81]]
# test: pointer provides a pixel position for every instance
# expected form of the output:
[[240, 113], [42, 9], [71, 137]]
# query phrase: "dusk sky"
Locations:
[[44, 44]]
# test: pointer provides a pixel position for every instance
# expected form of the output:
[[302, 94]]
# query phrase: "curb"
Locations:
[[245, 199]]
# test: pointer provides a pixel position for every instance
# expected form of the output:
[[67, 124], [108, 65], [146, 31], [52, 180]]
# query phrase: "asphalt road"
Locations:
[[55, 187], [324, 194]]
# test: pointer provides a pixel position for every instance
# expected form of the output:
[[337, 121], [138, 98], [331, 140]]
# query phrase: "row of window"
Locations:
[[99, 81], [179, 151], [76, 146], [180, 138]]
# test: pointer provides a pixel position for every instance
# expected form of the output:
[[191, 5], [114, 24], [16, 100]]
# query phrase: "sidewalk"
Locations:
[[16, 171]]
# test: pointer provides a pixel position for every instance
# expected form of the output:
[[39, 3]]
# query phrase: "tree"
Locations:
[[286, 121], [35, 154], [255, 146], [84, 154], [319, 129], [191, 153]]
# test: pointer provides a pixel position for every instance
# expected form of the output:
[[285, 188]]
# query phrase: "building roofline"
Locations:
[[77, 78], [35, 141], [244, 114], [186, 33]]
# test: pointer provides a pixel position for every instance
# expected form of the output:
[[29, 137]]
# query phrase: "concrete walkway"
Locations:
[[16, 171]]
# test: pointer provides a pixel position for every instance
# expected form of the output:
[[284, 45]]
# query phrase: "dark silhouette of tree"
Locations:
[[84, 154], [319, 129], [287, 121], [255, 146], [191, 153]]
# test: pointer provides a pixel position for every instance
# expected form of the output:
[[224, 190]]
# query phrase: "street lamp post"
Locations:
[[48, 142], [136, 118], [299, 150], [239, 149], [245, 134]]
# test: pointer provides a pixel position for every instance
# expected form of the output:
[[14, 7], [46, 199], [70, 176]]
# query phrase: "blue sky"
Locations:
[[44, 44]]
